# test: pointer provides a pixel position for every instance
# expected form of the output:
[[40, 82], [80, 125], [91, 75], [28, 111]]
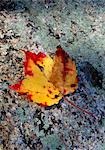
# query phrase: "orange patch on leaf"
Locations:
[[64, 72], [34, 57]]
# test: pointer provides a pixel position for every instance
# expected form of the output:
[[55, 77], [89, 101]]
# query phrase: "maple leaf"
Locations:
[[47, 80]]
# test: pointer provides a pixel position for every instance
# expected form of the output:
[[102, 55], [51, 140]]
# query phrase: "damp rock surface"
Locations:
[[79, 27]]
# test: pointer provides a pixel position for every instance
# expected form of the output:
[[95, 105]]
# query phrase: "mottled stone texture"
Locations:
[[40, 25]]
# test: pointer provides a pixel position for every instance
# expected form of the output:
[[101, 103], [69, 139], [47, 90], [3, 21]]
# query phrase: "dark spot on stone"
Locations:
[[5, 90], [79, 123], [38, 114], [41, 126], [93, 75], [11, 48], [73, 22], [48, 130], [57, 36], [59, 104], [76, 6], [12, 6], [59, 148], [51, 32], [100, 121], [59, 121], [74, 113], [7, 37], [48, 107], [18, 59], [70, 41], [3, 112], [75, 34], [13, 101], [84, 95], [59, 46]]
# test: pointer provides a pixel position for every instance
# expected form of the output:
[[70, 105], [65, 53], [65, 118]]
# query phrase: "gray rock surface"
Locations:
[[79, 27]]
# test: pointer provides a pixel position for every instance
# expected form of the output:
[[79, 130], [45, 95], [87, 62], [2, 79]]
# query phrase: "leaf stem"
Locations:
[[83, 110]]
